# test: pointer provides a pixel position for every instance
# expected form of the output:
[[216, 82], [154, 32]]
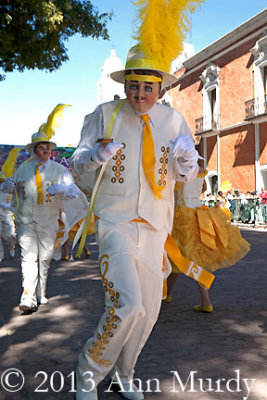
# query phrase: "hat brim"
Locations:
[[30, 146], [168, 79]]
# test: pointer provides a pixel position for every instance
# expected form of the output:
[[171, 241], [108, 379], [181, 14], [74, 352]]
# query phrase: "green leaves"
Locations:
[[32, 33]]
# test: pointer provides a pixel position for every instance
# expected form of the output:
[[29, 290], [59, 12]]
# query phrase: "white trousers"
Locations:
[[7, 230], [130, 262], [37, 248]]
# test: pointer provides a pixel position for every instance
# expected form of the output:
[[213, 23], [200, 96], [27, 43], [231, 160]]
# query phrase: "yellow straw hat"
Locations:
[[137, 61], [47, 130], [39, 137]]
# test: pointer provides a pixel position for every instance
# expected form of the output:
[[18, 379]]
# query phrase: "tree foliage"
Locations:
[[33, 32]]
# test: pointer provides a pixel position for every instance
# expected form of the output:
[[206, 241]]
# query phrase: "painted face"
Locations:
[[43, 151], [142, 95]]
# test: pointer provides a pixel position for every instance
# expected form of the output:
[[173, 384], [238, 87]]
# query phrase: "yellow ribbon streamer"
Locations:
[[186, 266], [148, 157], [39, 185]]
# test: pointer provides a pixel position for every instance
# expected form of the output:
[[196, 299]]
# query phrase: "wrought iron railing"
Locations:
[[204, 124], [256, 107], [199, 125], [250, 108]]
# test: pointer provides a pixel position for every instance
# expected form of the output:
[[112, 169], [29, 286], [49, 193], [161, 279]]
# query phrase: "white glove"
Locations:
[[101, 154], [8, 185], [183, 146], [56, 188], [5, 205], [186, 157]]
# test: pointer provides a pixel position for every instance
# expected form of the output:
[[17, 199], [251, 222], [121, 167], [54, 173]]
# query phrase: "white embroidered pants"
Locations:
[[37, 248], [130, 261]]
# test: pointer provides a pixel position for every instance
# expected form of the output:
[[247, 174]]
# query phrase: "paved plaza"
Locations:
[[189, 355]]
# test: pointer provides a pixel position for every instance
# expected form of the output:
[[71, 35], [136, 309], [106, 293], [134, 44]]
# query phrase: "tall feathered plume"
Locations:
[[161, 28], [53, 120], [9, 164]]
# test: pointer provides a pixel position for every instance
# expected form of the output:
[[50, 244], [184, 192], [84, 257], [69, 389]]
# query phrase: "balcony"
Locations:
[[205, 124], [199, 125], [255, 107]]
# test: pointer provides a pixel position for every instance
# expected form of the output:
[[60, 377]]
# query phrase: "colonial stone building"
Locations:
[[222, 92]]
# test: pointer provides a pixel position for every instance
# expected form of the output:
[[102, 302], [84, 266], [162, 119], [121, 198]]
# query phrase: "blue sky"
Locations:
[[27, 98]]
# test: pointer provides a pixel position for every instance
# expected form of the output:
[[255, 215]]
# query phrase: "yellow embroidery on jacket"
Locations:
[[21, 189], [162, 171], [47, 195], [118, 166]]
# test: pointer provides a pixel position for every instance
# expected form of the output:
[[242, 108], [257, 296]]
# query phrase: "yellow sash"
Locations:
[[186, 266], [148, 157], [39, 185]]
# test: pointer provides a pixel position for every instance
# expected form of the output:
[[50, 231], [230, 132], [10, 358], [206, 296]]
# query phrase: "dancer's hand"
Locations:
[[183, 146], [55, 188], [5, 206], [105, 151], [8, 185]]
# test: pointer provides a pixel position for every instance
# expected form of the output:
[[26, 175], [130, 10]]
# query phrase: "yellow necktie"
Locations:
[[39, 185], [148, 157]]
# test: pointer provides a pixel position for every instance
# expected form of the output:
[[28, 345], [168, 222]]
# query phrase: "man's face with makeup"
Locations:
[[142, 95], [43, 151]]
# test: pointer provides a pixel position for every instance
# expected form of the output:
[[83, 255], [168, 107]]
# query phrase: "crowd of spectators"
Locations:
[[249, 207]]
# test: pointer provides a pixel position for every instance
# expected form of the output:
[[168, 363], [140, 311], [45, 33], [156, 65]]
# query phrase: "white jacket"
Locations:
[[29, 211], [124, 192]]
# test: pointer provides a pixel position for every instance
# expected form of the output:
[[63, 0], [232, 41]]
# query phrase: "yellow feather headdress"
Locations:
[[53, 120], [47, 130], [9, 165], [161, 28]]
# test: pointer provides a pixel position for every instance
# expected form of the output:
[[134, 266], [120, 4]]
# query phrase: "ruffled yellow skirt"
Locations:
[[205, 235]]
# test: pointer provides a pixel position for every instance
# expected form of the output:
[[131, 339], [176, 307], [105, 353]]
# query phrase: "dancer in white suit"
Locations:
[[149, 149], [42, 185], [7, 224]]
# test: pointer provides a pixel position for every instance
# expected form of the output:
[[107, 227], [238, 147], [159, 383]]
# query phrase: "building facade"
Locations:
[[222, 92]]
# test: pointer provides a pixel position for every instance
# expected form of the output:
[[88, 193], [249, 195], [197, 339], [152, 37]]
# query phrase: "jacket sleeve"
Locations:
[[93, 127]]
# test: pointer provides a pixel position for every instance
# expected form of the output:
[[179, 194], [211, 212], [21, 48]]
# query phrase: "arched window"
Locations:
[[259, 52], [210, 79]]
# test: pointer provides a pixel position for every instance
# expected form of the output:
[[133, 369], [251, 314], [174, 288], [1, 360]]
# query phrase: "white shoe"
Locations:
[[130, 391], [42, 300], [12, 253], [27, 307]]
